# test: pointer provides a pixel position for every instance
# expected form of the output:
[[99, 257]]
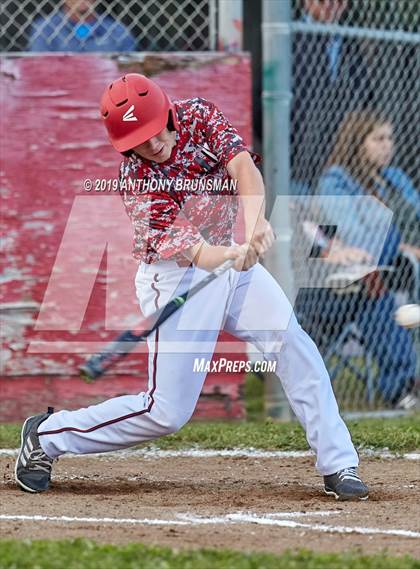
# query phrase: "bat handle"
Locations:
[[223, 267], [96, 365]]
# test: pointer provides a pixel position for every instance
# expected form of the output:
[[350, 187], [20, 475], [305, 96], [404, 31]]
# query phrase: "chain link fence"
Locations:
[[115, 25], [355, 132]]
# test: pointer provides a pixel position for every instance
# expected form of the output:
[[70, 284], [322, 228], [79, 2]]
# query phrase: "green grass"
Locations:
[[79, 553], [398, 435], [10, 435]]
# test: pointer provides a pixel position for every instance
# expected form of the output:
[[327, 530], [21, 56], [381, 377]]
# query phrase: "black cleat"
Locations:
[[33, 466], [346, 484]]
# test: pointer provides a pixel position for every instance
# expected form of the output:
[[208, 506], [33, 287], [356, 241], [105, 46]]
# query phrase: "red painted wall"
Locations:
[[52, 139]]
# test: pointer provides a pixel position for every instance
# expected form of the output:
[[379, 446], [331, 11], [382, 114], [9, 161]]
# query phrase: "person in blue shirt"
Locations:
[[77, 27], [360, 164]]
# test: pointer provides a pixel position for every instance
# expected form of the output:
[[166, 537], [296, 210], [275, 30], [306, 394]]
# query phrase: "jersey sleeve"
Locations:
[[222, 137]]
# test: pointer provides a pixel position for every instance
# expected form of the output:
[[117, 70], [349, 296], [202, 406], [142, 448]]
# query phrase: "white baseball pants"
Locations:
[[251, 306]]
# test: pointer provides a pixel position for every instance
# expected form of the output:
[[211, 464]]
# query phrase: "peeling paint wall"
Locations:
[[52, 140]]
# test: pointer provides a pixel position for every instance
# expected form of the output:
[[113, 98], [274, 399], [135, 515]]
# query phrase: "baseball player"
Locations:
[[182, 230]]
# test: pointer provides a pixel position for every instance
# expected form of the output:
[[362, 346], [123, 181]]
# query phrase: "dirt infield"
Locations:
[[245, 503]]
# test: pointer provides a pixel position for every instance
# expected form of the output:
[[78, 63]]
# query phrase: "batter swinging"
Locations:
[[182, 231]]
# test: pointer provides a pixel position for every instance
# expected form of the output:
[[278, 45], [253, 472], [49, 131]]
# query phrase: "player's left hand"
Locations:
[[244, 255], [261, 237]]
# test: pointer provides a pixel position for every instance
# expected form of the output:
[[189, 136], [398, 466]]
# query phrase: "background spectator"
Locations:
[[362, 155], [77, 27], [360, 165]]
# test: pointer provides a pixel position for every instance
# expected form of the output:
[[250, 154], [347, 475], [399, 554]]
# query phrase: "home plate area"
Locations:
[[246, 501]]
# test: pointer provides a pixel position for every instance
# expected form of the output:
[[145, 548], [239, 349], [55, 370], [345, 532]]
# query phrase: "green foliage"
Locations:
[[80, 553], [254, 397]]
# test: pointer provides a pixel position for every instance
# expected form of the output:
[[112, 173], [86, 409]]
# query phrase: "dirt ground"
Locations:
[[184, 501]]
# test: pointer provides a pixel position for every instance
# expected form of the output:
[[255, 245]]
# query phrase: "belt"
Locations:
[[180, 263], [184, 263]]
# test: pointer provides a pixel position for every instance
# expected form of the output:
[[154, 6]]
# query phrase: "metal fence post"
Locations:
[[230, 25], [276, 105], [212, 25]]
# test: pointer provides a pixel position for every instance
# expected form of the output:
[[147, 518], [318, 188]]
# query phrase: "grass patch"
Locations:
[[79, 553], [10, 435], [398, 435], [254, 397]]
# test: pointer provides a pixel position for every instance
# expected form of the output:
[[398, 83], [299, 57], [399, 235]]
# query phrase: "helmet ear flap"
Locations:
[[170, 124], [127, 153], [172, 119]]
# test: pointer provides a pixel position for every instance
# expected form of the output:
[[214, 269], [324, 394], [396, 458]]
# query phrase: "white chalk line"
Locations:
[[187, 519], [153, 453]]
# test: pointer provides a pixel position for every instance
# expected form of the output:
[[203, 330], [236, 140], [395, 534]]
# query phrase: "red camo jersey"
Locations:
[[189, 197]]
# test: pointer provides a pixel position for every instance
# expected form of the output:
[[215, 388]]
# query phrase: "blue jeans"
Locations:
[[323, 314]]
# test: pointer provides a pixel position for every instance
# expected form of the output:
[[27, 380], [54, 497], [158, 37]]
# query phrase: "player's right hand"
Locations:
[[245, 256]]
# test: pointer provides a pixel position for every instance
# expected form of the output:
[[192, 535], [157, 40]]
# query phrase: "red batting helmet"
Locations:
[[134, 109]]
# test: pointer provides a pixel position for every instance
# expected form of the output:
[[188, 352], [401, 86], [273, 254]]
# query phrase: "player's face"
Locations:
[[158, 148], [325, 11], [379, 145], [79, 9]]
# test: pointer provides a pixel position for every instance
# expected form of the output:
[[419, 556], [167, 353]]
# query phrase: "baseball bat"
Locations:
[[113, 352]]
